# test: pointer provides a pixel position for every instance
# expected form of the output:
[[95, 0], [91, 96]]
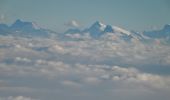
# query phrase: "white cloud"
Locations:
[[92, 80], [70, 83], [57, 48], [72, 23], [74, 36], [2, 18], [133, 75], [91, 65], [19, 59], [17, 98]]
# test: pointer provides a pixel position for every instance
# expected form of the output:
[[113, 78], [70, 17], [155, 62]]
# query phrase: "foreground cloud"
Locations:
[[83, 69], [17, 98]]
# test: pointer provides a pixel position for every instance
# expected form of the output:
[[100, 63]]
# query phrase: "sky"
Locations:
[[131, 14]]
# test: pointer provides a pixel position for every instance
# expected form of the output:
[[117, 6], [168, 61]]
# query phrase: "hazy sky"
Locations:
[[130, 14]]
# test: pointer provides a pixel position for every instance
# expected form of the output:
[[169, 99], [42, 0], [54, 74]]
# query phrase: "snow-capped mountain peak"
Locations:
[[167, 27], [25, 29], [96, 29], [121, 30], [35, 25], [98, 25], [18, 24], [108, 29], [163, 33]]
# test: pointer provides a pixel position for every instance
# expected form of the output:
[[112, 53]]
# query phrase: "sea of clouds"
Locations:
[[83, 69]]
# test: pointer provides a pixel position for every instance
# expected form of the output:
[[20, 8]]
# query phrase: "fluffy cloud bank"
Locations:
[[17, 98], [86, 68]]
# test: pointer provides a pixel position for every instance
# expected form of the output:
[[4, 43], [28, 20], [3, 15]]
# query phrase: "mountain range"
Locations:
[[96, 31], [24, 29]]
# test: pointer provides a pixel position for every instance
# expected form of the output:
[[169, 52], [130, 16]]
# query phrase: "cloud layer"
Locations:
[[41, 69]]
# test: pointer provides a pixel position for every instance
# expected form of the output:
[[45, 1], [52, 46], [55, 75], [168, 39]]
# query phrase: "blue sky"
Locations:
[[131, 14]]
